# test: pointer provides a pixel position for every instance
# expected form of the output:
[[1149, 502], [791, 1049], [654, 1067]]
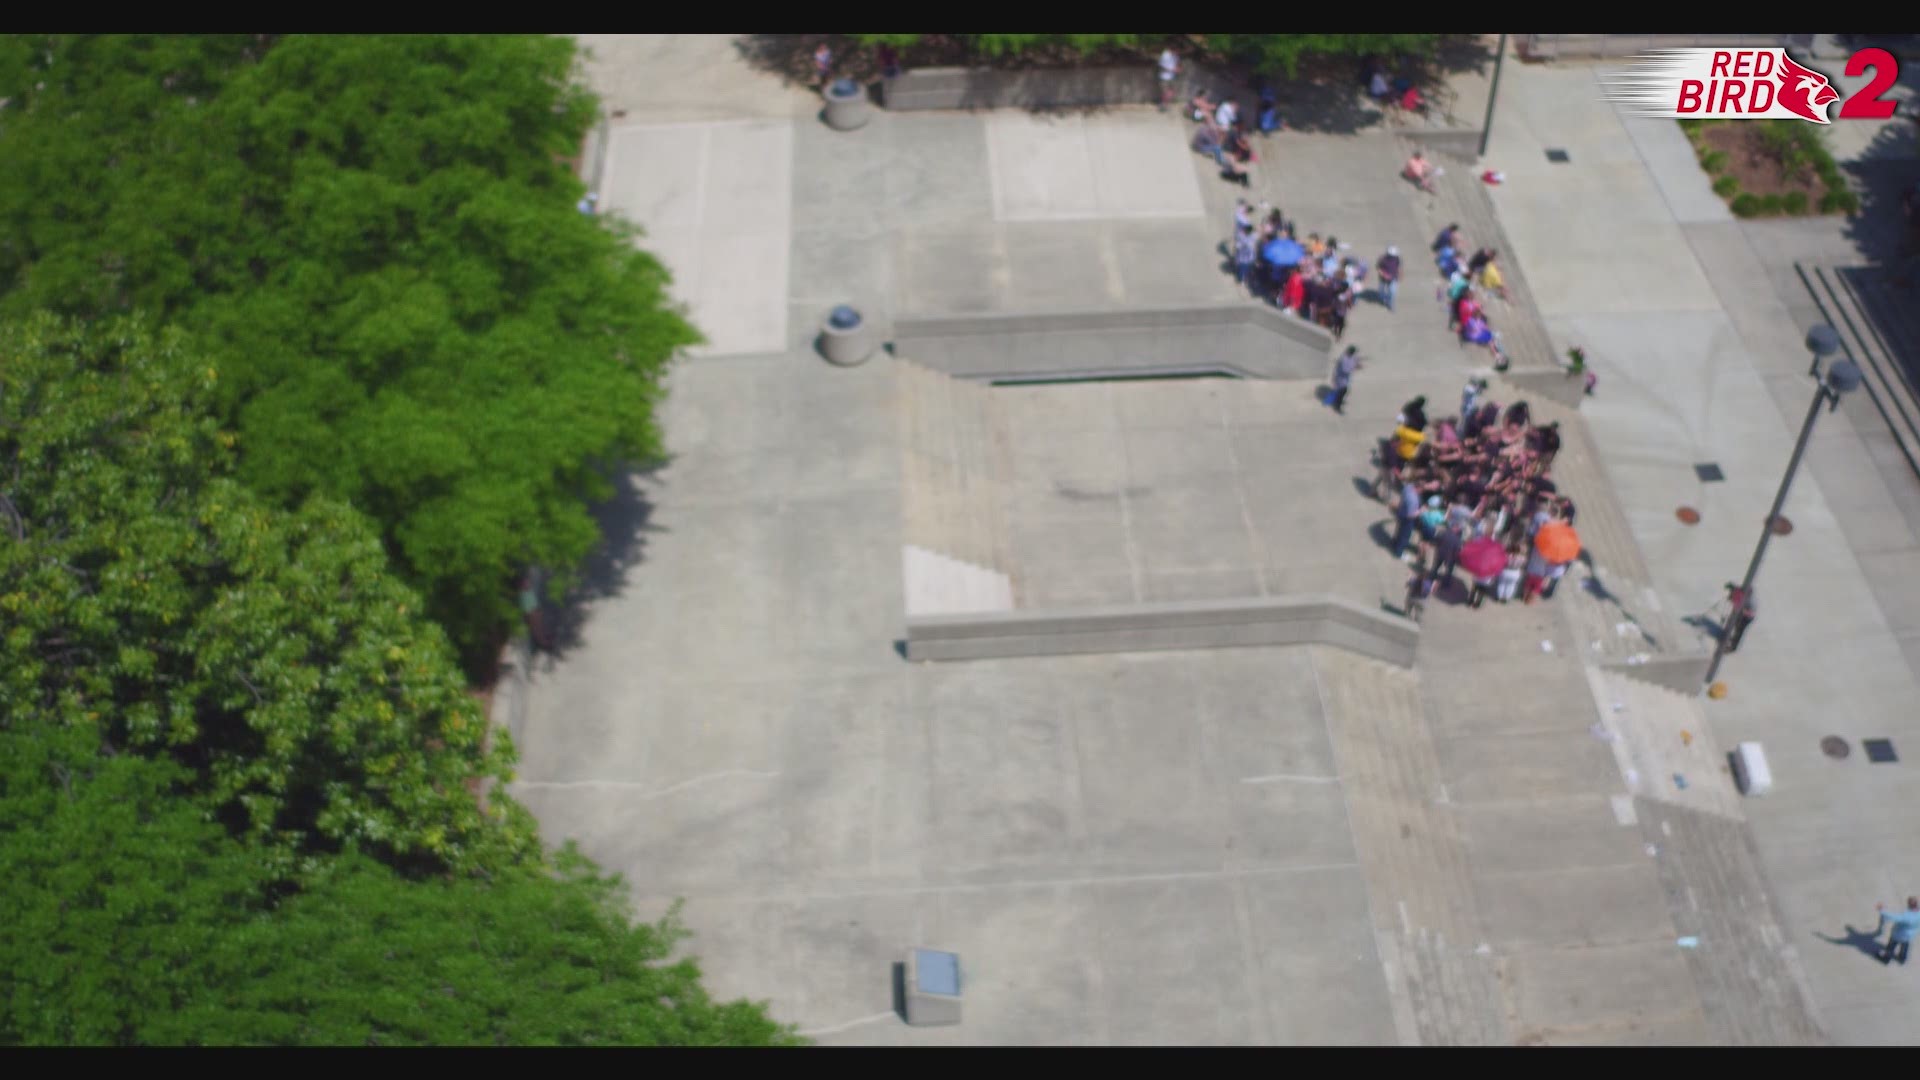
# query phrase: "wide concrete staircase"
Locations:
[[954, 459], [1881, 333]]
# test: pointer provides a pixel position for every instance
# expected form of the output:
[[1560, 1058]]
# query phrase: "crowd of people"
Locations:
[[1469, 279], [1477, 478]]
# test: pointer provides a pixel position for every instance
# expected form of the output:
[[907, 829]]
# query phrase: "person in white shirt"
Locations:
[[1227, 113], [1169, 69]]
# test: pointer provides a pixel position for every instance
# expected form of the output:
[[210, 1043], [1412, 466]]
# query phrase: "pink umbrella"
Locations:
[[1483, 556]]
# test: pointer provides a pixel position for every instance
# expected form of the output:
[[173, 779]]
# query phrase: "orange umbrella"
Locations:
[[1557, 542]]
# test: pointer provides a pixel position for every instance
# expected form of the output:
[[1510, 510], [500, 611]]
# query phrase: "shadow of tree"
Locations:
[[1324, 94], [1885, 171], [624, 521]]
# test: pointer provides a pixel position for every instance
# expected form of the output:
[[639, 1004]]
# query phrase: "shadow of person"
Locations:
[[1866, 941]]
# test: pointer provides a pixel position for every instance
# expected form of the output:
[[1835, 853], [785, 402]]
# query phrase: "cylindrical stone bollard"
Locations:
[[846, 105], [845, 337]]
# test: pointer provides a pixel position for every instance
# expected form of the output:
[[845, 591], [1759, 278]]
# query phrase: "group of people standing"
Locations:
[[1315, 279], [1476, 487]]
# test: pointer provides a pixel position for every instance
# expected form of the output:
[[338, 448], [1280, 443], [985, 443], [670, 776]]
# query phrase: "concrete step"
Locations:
[[1462, 199], [1412, 852], [1657, 734], [938, 584], [954, 464], [1872, 347]]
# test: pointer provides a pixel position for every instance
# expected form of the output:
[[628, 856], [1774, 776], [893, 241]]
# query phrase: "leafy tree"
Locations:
[[162, 608], [129, 919], [1266, 52], [375, 241]]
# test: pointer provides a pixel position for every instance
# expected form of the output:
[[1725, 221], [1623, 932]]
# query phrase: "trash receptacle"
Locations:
[[846, 105], [845, 337]]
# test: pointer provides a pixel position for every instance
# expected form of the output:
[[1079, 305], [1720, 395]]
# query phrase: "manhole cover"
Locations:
[[1687, 515], [1558, 157], [1835, 747], [1879, 751], [1782, 526], [1709, 472]]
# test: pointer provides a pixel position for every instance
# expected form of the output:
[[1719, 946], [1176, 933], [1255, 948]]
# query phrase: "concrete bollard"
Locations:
[[846, 105], [845, 337]]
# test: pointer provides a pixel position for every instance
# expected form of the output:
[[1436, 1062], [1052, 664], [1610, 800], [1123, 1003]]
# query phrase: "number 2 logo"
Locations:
[[1867, 102]]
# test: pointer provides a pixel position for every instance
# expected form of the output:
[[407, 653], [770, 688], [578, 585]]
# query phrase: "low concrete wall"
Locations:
[[988, 88], [1247, 340], [1606, 46], [1554, 384], [1210, 624], [1684, 674]]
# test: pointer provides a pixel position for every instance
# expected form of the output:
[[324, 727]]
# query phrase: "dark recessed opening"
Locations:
[[1558, 157], [1708, 472], [1879, 751], [1145, 376]]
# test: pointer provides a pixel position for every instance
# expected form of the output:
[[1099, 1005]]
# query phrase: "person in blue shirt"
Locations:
[[1904, 924]]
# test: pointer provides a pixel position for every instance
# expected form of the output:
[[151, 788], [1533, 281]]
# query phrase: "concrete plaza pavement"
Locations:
[[1238, 846]]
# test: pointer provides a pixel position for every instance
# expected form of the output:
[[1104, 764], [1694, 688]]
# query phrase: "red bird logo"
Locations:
[[1803, 92]]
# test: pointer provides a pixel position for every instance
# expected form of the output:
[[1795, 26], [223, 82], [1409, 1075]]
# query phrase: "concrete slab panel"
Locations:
[[1319, 972], [1151, 936], [1566, 908]]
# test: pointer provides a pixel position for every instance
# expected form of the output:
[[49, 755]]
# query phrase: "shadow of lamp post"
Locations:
[[1842, 378]]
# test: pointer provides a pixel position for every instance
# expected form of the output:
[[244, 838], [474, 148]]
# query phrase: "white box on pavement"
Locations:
[[1750, 769]]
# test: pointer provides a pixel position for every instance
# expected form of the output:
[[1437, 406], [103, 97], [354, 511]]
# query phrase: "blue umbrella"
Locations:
[[1283, 252]]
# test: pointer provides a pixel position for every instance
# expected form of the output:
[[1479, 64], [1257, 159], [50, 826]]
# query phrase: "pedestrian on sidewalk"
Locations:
[[1389, 271], [1536, 574], [1446, 552], [1904, 923], [1226, 114], [1243, 254], [1293, 292], [1508, 586], [1414, 414], [1343, 370], [1169, 71], [1449, 238]]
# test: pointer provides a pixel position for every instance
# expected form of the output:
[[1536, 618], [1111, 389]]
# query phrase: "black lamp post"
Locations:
[[1822, 342], [1843, 377], [1499, 57]]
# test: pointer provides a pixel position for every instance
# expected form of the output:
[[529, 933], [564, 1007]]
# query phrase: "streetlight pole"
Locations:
[[1842, 378], [1493, 92]]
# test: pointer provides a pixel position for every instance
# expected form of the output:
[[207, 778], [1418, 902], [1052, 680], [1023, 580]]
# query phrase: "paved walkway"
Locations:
[[1238, 846], [1694, 321]]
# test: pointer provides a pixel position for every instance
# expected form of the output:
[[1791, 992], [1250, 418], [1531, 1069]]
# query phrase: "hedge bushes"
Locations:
[[1801, 154]]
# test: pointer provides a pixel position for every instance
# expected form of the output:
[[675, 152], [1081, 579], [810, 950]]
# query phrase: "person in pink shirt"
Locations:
[[1420, 171]]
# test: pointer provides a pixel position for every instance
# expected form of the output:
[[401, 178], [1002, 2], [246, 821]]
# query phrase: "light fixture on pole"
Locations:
[[1843, 377], [1822, 342]]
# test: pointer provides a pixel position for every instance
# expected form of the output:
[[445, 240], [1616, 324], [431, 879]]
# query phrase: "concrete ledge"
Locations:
[[988, 88], [1209, 624], [1683, 674], [1554, 384], [1233, 339]]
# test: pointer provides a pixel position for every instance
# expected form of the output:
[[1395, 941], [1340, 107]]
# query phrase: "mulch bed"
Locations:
[[1756, 166]]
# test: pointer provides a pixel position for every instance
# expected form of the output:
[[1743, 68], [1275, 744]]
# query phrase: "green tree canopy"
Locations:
[[1266, 52], [375, 240], [161, 607], [130, 919]]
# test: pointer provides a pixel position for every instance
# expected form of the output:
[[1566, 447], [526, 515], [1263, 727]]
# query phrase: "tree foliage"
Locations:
[[375, 240], [129, 919], [158, 605], [1265, 52]]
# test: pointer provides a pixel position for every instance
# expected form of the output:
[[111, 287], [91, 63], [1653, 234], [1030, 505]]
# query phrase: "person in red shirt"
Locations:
[[1469, 308], [1293, 294]]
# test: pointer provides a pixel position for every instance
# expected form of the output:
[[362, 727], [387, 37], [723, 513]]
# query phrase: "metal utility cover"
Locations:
[[1558, 157], [1879, 751], [1709, 472]]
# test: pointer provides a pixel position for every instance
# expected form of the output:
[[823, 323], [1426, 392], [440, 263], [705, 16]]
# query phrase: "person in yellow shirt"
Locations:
[[1490, 279], [1409, 440]]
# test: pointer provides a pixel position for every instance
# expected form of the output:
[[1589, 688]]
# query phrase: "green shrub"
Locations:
[[1795, 203], [1725, 187], [1713, 160], [1692, 127], [1771, 204], [1839, 201], [1746, 204]]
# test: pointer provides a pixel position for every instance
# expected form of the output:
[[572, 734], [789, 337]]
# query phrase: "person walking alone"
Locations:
[[1389, 270], [1905, 924], [1169, 71], [1406, 517], [823, 63], [1343, 370]]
